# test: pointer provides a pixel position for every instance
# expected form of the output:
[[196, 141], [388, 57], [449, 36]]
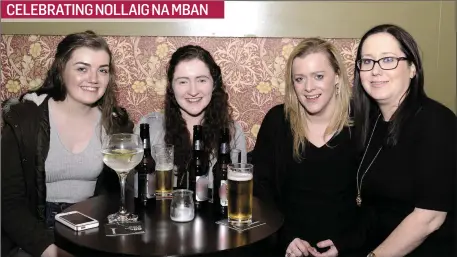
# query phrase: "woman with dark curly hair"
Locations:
[[195, 95]]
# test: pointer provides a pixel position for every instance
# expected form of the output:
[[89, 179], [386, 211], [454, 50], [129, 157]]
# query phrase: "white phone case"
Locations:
[[76, 227]]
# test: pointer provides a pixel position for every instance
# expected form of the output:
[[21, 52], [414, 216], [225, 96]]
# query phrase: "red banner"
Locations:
[[139, 9]]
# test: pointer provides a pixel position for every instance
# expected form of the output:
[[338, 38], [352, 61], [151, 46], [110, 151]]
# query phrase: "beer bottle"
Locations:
[[198, 181], [220, 175], [144, 191]]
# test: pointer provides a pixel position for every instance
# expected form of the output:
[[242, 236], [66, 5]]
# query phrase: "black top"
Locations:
[[418, 172], [317, 195]]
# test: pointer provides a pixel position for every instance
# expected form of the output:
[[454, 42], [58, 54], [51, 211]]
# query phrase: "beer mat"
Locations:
[[241, 227], [123, 229]]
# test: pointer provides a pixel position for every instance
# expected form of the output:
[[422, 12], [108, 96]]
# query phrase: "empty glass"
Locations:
[[182, 206]]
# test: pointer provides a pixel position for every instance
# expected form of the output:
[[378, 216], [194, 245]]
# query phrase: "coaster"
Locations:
[[124, 229], [241, 227]]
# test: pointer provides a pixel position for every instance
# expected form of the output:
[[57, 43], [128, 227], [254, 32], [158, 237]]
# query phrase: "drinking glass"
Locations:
[[182, 206], [122, 152], [235, 155], [240, 187], [164, 157]]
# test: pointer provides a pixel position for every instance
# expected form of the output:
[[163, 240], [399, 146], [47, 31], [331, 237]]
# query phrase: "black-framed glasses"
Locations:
[[386, 63]]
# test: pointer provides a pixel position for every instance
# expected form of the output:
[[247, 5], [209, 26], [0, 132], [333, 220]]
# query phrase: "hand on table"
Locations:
[[298, 248]]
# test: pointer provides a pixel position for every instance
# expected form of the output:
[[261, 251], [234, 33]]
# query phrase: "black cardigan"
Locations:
[[25, 144]]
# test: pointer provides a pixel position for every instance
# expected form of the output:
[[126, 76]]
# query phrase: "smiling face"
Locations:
[[387, 87], [86, 75], [192, 86], [315, 83]]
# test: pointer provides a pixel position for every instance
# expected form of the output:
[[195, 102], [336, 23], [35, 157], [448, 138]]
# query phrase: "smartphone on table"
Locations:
[[76, 220]]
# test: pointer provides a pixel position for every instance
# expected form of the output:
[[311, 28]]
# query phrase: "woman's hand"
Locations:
[[298, 248], [331, 252], [54, 251]]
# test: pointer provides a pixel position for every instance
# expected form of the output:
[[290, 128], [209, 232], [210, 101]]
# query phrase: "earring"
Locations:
[[337, 90]]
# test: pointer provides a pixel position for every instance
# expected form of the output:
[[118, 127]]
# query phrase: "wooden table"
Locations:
[[163, 237]]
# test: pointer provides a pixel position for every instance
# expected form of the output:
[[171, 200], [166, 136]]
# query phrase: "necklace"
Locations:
[[359, 187]]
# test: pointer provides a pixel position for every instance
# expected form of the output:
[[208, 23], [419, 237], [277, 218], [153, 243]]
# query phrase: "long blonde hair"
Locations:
[[295, 113]]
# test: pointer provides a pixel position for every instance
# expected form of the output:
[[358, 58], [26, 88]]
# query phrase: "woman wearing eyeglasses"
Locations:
[[406, 178]]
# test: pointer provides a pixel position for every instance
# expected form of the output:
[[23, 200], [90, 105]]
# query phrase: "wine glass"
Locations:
[[122, 152]]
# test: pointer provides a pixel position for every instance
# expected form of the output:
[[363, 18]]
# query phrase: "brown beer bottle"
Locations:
[[198, 179], [220, 175], [144, 191]]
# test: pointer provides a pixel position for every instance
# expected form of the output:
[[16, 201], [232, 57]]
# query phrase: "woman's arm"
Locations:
[[263, 157], [411, 232], [156, 127], [435, 169], [18, 223], [240, 142]]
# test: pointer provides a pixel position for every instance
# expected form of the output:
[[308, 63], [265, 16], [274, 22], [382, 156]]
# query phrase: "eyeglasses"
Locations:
[[386, 63]]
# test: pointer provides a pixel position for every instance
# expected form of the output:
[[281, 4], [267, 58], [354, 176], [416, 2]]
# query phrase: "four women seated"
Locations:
[[356, 171]]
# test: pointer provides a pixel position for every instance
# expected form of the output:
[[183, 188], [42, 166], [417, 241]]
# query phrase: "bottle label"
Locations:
[[224, 148], [201, 186], [198, 145], [223, 193]]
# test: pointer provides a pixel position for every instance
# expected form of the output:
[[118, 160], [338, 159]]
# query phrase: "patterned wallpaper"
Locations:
[[253, 70]]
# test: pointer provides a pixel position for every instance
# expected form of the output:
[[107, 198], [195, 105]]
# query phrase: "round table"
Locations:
[[163, 237]]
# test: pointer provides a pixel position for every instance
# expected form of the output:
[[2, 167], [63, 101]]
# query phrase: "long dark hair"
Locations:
[[54, 84], [365, 107], [217, 114]]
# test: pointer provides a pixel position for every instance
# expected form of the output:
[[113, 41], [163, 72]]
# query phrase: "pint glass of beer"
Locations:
[[164, 158], [240, 186]]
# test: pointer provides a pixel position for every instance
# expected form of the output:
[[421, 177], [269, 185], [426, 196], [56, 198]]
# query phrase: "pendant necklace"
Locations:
[[359, 187]]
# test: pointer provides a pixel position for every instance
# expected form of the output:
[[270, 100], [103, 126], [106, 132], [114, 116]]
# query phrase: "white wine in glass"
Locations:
[[122, 152]]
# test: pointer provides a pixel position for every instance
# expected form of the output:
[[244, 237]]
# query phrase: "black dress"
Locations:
[[418, 172], [315, 195]]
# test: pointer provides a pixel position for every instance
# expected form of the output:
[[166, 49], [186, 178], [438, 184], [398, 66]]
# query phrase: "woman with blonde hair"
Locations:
[[305, 157]]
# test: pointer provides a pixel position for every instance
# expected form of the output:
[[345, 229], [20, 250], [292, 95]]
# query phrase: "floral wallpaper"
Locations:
[[252, 68]]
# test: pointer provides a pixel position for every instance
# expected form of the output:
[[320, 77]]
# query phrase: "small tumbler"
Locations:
[[182, 206]]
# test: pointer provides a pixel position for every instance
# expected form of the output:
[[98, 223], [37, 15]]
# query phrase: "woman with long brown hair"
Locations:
[[195, 95], [51, 144]]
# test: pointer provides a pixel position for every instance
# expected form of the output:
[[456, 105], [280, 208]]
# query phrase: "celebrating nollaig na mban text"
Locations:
[[108, 9]]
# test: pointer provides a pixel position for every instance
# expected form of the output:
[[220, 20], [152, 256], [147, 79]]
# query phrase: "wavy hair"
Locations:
[[295, 113], [217, 114], [54, 84]]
